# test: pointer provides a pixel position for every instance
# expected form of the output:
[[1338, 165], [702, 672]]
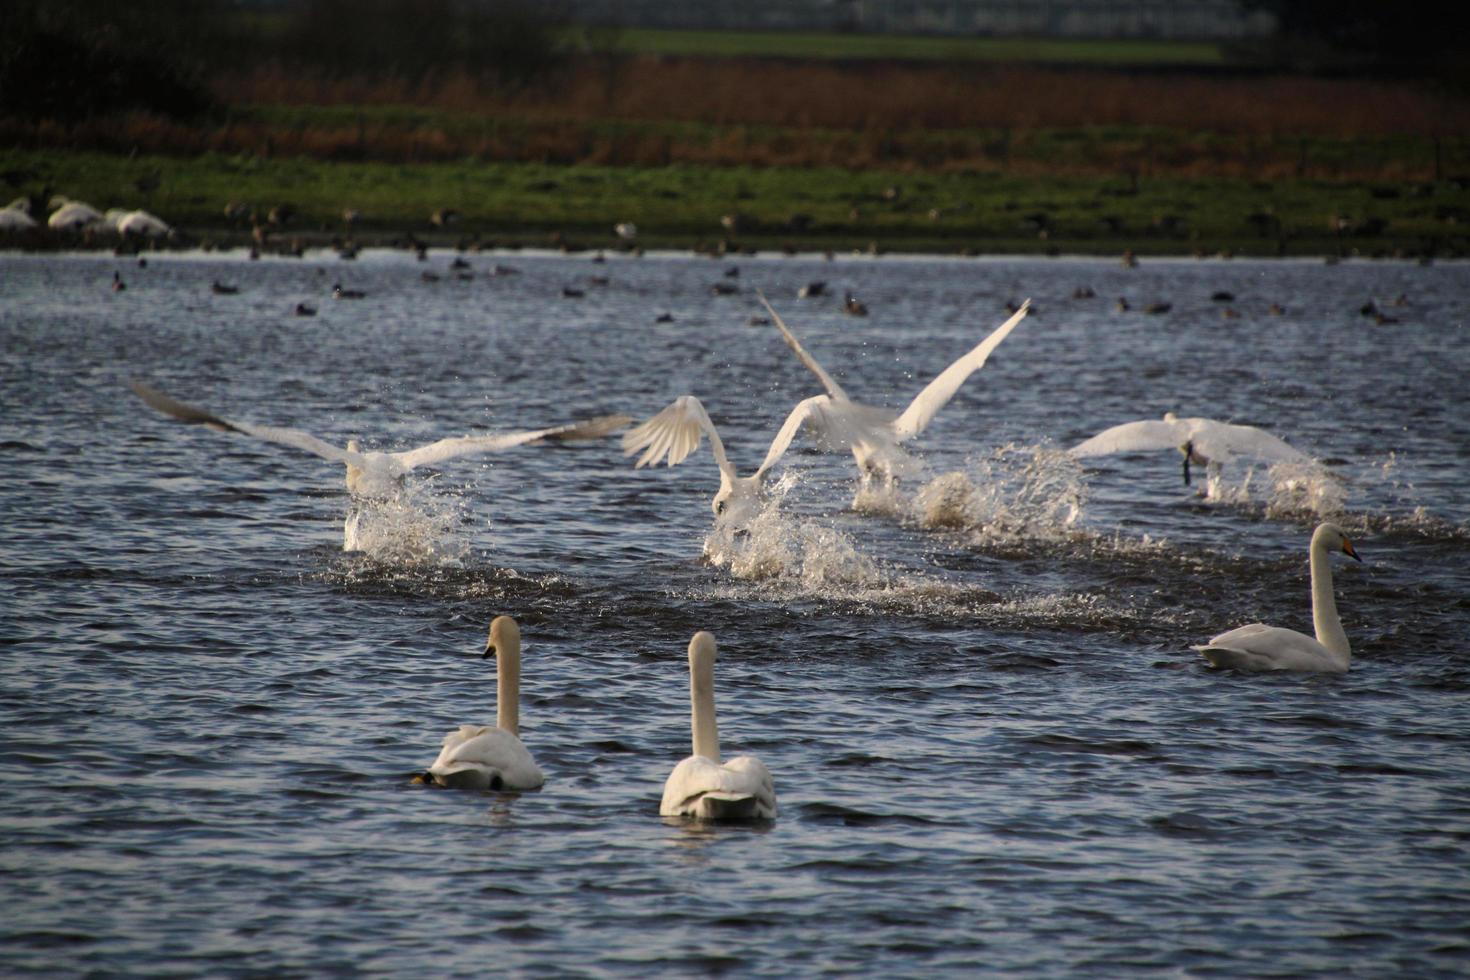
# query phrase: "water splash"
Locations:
[[1015, 492], [777, 545], [415, 526]]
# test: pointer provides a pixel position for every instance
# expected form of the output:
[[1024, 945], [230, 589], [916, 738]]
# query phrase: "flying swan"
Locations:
[[1204, 442], [481, 757], [875, 434], [378, 475], [700, 786], [1261, 647], [676, 431]]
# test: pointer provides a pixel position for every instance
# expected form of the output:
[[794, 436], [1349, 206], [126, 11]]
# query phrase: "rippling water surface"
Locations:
[[993, 746]]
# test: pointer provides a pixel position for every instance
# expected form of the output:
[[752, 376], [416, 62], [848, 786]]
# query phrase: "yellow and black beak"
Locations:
[[1347, 549], [489, 651]]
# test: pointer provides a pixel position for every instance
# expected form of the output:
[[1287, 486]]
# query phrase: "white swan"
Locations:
[[700, 786], [142, 224], [15, 218], [1261, 647], [676, 431], [74, 215], [378, 475], [481, 757], [874, 435], [1204, 442]]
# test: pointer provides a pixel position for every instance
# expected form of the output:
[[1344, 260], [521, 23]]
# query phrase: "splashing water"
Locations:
[[778, 546], [415, 526], [1016, 492]]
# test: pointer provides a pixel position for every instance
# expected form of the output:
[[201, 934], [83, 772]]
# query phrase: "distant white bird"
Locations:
[[874, 435], [379, 475], [1261, 647], [74, 215], [700, 786], [15, 218], [626, 230], [676, 431], [143, 224], [481, 757], [1204, 442]]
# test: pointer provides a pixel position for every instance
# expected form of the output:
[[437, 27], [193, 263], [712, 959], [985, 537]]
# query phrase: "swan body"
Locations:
[[701, 786], [481, 757], [74, 215], [1203, 442], [875, 435], [677, 430], [1262, 647], [15, 218], [378, 475], [143, 225]]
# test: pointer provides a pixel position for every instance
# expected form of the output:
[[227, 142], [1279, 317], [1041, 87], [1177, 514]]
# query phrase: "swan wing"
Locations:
[[674, 433], [937, 393], [698, 787], [833, 388], [1260, 647], [805, 413], [437, 452], [1133, 437], [1221, 441], [483, 757], [194, 415]]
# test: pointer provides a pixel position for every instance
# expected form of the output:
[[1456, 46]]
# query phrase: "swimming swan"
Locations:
[[1204, 442], [480, 757], [378, 475], [874, 434], [1261, 647], [676, 431], [700, 786]]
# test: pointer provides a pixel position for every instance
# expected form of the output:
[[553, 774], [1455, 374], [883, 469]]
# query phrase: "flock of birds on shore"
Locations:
[[701, 786]]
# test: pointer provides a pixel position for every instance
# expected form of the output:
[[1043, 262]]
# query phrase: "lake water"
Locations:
[[993, 746]]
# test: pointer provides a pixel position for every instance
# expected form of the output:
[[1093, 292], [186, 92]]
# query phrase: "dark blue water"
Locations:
[[993, 747]]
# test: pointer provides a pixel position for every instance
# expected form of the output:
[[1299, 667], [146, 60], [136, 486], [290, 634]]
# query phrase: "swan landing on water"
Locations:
[[377, 475], [481, 757], [1262, 647], [1204, 442], [700, 786]]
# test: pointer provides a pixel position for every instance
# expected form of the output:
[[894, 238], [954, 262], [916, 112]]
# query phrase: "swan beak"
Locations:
[[489, 651], [1188, 450], [1347, 549]]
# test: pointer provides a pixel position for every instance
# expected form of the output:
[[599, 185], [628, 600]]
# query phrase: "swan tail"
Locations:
[[1226, 658], [727, 806]]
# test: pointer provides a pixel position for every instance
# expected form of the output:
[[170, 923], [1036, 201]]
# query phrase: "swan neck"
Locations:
[[508, 687], [702, 707], [1325, 621]]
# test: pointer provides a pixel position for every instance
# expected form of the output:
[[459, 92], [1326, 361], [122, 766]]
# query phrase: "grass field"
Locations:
[[759, 44], [806, 208]]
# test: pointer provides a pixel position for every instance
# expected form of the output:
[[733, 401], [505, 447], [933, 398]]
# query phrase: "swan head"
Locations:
[[1330, 538], [1191, 453], [739, 501], [504, 635]]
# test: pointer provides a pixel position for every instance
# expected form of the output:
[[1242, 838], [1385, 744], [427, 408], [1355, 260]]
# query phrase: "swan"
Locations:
[[15, 217], [676, 431], [73, 215], [875, 434], [143, 224], [481, 757], [378, 475], [1262, 647], [1204, 442], [700, 786]]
